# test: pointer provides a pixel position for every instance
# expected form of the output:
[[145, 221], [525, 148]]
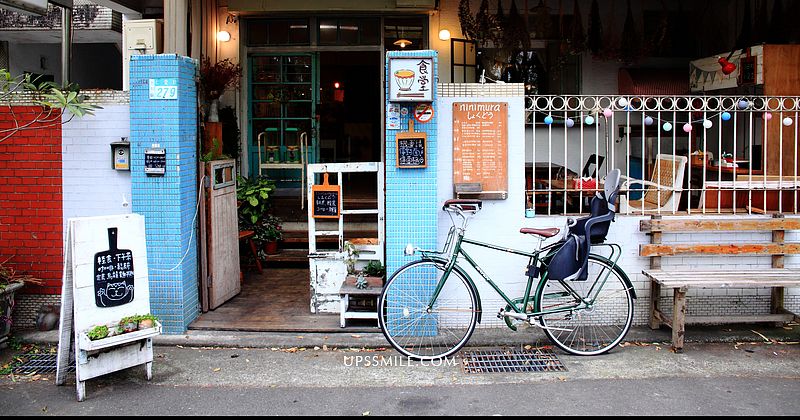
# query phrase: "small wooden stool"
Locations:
[[348, 289], [248, 236]]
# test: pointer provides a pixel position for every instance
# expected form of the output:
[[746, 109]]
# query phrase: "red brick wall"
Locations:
[[31, 226]]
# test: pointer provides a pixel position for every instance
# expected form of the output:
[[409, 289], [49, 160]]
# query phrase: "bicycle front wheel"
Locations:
[[588, 317], [422, 331]]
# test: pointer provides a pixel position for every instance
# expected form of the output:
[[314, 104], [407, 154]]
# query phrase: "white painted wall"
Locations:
[[91, 187], [500, 221]]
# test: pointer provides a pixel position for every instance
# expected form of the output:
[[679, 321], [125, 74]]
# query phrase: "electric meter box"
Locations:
[[121, 155], [140, 37]]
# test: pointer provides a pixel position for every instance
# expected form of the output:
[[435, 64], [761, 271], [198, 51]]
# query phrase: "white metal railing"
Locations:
[[678, 154]]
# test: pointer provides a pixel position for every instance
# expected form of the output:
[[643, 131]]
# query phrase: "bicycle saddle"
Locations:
[[544, 233]]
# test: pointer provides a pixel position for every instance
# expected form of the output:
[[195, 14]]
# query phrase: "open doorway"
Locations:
[[350, 106], [347, 120]]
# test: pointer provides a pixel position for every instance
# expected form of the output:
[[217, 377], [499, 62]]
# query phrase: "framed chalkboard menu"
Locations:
[[411, 148], [480, 147], [113, 274], [326, 200]]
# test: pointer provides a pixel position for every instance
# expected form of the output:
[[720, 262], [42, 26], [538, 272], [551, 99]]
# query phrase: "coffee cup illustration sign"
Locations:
[[404, 79], [113, 274], [412, 79]]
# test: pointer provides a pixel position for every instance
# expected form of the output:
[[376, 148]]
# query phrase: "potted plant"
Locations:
[[215, 79], [253, 198], [147, 321], [10, 282], [268, 231], [128, 324], [98, 333], [370, 276]]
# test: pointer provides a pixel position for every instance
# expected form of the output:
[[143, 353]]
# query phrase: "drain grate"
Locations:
[[37, 363], [495, 361]]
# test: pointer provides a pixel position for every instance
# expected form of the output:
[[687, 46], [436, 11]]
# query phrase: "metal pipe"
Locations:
[[66, 44]]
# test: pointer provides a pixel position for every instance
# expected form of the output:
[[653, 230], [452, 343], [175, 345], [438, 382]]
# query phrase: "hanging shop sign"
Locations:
[[326, 200], [411, 148], [411, 79]]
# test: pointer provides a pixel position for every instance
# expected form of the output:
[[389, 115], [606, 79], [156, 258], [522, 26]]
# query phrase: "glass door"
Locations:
[[283, 99]]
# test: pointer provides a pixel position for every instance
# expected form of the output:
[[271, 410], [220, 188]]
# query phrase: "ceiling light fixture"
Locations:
[[402, 43]]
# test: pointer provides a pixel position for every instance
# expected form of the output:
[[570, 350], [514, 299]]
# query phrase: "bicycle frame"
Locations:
[[535, 261]]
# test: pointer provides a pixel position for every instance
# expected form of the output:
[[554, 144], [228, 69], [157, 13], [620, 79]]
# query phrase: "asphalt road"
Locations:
[[708, 379]]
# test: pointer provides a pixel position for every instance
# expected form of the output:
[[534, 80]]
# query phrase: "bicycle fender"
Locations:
[[463, 273]]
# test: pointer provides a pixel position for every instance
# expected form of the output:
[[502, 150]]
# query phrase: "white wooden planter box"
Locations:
[[87, 344]]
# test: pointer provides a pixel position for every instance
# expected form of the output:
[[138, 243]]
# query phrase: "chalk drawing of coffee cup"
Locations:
[[404, 79]]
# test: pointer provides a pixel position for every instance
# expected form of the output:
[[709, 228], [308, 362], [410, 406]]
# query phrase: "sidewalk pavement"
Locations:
[[482, 337]]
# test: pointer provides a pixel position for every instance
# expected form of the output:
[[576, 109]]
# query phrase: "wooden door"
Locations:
[[223, 232]]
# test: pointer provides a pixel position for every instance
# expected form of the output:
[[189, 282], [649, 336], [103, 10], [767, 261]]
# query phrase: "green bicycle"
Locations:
[[582, 299]]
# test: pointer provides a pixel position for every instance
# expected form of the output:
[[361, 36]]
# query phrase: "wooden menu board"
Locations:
[[326, 200], [480, 147], [412, 148]]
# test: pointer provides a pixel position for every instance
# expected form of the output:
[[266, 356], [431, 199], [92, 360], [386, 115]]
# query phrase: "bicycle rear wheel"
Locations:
[[584, 327], [421, 332]]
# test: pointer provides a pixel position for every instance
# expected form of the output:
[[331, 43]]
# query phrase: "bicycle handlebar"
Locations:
[[463, 205]]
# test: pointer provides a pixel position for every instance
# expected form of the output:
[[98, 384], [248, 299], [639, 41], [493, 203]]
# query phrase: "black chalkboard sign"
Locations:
[[155, 162], [325, 200], [411, 152], [326, 204], [113, 274]]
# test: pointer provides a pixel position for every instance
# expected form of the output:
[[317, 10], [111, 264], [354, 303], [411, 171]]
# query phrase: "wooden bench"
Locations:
[[777, 277]]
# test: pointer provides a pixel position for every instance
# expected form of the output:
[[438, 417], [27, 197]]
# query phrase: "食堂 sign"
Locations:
[[326, 200], [411, 149], [411, 79]]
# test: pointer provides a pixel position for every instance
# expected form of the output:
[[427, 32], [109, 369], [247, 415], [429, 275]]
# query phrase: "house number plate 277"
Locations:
[[165, 89]]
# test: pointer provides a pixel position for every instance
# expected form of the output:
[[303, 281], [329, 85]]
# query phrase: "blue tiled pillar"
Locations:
[[168, 202], [411, 207]]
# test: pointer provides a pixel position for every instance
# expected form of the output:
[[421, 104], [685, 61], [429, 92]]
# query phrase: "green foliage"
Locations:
[[268, 229], [351, 256], [253, 196], [46, 94], [98, 333], [375, 269], [212, 155]]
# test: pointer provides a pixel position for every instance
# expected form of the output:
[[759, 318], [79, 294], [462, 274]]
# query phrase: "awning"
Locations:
[[653, 81], [330, 5]]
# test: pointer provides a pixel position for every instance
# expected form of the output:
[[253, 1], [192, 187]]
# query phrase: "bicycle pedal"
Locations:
[[500, 313]]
